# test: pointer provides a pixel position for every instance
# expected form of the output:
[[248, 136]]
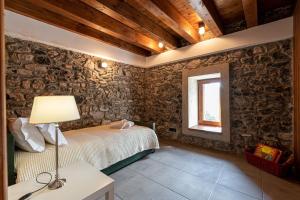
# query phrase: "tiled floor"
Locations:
[[187, 173]]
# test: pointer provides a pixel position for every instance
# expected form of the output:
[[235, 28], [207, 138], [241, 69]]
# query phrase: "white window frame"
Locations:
[[190, 79]]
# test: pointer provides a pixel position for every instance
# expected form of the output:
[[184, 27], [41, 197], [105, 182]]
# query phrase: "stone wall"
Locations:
[[101, 94], [260, 90], [260, 95]]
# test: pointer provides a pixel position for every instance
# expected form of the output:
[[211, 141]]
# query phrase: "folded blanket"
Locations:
[[123, 124]]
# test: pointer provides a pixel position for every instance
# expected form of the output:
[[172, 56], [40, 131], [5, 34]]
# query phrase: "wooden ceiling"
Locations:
[[139, 25]]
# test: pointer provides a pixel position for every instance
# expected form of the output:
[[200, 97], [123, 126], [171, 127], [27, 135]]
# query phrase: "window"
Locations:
[[209, 102], [205, 102]]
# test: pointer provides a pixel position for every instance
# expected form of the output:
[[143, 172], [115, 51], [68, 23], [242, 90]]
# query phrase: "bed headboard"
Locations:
[[11, 152]]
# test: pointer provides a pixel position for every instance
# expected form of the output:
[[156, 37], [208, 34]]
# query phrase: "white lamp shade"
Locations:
[[53, 109]]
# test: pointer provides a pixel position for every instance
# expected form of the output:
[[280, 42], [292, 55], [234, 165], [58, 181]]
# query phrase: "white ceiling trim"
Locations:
[[275, 31], [30, 29]]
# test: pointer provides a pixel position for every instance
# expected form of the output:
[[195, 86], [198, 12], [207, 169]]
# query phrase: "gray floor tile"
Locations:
[[116, 198], [209, 172], [181, 173], [206, 167], [242, 182], [223, 193], [181, 157], [170, 157], [187, 185], [132, 186], [242, 167]]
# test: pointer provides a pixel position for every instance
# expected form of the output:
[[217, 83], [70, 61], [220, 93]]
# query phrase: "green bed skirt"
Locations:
[[10, 159], [123, 163]]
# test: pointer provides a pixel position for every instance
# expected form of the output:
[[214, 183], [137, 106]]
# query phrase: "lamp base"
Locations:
[[58, 183]]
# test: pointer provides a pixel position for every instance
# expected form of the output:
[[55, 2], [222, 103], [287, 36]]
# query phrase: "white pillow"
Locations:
[[48, 131], [127, 124], [27, 136], [123, 124]]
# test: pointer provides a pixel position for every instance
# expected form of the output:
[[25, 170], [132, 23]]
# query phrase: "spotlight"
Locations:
[[201, 28], [161, 44], [104, 64]]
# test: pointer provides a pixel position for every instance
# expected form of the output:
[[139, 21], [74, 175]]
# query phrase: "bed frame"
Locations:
[[109, 170]]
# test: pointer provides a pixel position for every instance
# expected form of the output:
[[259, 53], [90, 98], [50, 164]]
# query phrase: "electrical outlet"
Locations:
[[172, 129]]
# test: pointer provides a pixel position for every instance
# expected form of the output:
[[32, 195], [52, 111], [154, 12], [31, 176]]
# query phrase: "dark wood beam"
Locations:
[[250, 12], [208, 12], [28, 8], [3, 127], [128, 15], [84, 14], [297, 86], [170, 16]]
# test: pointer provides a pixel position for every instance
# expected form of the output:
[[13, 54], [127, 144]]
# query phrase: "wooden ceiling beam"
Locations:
[[208, 12], [250, 12], [84, 14], [128, 15], [29, 9], [170, 16]]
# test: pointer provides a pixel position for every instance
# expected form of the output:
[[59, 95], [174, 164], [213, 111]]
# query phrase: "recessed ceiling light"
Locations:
[[104, 64], [201, 28], [161, 44]]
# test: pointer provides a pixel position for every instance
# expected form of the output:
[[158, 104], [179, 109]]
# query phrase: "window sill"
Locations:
[[211, 129]]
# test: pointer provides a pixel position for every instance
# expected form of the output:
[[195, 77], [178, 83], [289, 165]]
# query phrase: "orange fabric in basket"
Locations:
[[267, 152]]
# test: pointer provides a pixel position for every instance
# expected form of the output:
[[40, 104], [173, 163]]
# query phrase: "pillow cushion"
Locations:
[[123, 124], [48, 131], [127, 124], [27, 136], [266, 152]]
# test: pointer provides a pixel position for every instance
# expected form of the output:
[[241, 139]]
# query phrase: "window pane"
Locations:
[[211, 102]]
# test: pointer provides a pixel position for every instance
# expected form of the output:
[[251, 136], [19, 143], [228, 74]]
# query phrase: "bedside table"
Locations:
[[83, 182]]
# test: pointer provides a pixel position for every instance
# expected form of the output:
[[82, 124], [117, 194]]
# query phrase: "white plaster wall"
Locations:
[[190, 101], [275, 31], [30, 29]]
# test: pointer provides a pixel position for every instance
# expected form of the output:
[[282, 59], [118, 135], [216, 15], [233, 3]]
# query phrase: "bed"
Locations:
[[105, 148]]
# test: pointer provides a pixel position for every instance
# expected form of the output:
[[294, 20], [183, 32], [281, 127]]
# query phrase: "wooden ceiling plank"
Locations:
[[170, 16], [26, 8], [128, 15], [209, 14], [250, 12], [91, 17]]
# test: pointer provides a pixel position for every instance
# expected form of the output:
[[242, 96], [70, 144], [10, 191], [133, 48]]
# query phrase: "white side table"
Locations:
[[83, 182]]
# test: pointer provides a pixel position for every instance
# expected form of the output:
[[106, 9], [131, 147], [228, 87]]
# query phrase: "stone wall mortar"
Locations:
[[102, 95], [260, 96]]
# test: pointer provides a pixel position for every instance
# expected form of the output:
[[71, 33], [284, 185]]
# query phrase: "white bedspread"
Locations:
[[101, 146]]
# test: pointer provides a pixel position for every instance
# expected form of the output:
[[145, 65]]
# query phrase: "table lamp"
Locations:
[[54, 109]]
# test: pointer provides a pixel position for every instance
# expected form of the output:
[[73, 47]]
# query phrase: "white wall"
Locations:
[[271, 32], [29, 29]]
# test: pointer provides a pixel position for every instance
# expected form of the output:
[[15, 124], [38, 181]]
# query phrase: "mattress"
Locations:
[[101, 146]]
